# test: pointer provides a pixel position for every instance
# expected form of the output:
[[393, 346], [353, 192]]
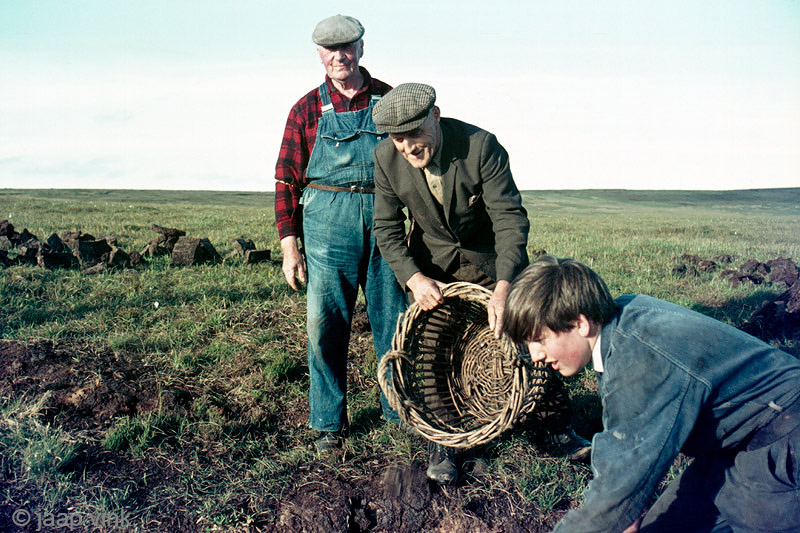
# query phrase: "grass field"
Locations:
[[175, 398]]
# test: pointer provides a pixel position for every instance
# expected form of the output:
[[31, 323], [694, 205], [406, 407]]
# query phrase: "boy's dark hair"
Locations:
[[551, 293]]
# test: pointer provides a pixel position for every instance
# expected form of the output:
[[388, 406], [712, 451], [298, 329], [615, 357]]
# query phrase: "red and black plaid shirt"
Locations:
[[298, 142]]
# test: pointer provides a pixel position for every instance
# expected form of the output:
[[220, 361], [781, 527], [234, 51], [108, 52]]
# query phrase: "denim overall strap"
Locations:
[[325, 96], [342, 154]]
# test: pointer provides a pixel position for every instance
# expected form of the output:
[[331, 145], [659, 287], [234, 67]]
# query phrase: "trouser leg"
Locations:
[[333, 251], [749, 491], [328, 324], [760, 491], [685, 506], [386, 301]]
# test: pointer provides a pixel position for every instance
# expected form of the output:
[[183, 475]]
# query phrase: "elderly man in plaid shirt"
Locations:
[[324, 198]]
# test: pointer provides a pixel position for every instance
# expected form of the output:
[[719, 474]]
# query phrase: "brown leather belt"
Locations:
[[352, 188]]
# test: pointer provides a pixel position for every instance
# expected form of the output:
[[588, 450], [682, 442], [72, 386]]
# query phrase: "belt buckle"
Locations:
[[354, 188]]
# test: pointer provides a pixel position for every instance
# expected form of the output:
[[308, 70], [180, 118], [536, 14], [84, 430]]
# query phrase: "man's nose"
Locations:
[[406, 147]]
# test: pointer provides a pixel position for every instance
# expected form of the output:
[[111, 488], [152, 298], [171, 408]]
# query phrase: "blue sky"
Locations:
[[584, 94]]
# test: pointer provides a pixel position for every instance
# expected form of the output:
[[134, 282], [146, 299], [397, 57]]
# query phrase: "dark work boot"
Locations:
[[578, 449], [328, 441], [441, 464]]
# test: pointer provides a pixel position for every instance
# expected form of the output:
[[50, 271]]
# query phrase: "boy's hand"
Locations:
[[633, 528]]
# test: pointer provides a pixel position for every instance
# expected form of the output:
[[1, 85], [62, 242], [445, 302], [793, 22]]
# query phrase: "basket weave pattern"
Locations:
[[449, 378]]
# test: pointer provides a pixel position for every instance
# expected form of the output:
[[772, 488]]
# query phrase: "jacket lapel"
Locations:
[[449, 169], [431, 209]]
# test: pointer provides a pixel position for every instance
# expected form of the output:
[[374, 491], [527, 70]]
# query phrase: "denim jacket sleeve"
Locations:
[[650, 406]]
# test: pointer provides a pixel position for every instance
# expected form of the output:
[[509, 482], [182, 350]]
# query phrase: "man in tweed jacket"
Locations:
[[468, 222]]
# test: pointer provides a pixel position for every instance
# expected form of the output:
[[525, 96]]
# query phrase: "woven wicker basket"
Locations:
[[449, 378]]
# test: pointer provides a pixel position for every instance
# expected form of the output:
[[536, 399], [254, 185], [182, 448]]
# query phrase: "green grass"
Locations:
[[632, 238], [222, 355], [39, 452]]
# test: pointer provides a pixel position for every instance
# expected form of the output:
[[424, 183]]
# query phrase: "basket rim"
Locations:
[[525, 386]]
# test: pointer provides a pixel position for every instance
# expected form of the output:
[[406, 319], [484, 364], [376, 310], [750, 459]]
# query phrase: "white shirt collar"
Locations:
[[597, 360]]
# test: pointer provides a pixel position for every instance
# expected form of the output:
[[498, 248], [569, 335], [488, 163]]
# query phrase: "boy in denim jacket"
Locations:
[[671, 380]]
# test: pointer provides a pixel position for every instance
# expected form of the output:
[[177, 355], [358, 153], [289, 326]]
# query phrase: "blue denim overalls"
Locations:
[[341, 255]]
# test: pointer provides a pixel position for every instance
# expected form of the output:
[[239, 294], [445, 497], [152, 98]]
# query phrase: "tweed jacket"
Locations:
[[481, 218]]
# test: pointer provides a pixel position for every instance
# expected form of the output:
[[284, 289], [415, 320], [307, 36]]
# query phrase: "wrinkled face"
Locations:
[[341, 62], [568, 352], [419, 146]]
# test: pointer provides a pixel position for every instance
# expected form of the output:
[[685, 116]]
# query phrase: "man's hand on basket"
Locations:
[[497, 306], [427, 291]]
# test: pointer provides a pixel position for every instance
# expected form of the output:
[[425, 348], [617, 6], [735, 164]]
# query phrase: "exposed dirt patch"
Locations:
[[90, 389], [397, 499], [777, 320]]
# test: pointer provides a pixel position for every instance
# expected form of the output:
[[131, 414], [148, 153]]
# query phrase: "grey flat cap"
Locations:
[[337, 30], [404, 108]]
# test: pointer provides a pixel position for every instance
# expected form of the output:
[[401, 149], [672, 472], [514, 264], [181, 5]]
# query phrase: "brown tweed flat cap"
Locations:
[[337, 30], [404, 108]]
